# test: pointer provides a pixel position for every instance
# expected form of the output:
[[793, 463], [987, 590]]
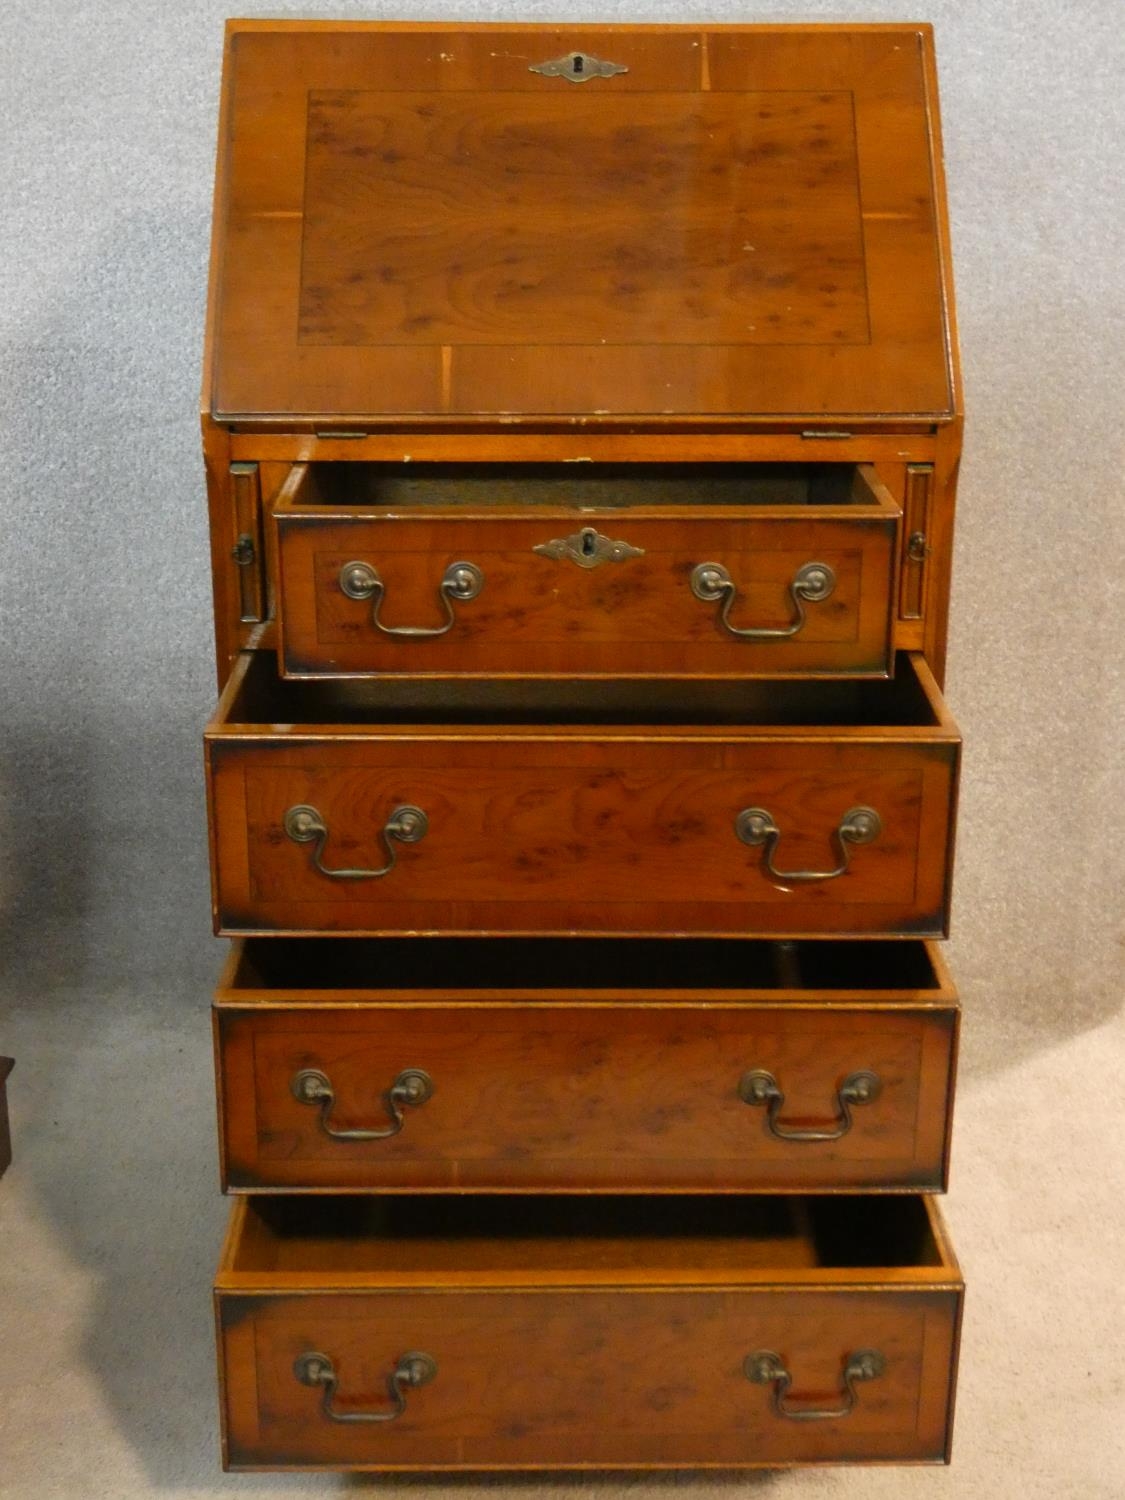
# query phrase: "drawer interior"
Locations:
[[256, 696], [696, 967], [378, 485], [531, 1236]]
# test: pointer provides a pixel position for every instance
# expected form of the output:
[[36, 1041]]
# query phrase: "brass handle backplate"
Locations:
[[411, 1371], [756, 827], [811, 584], [461, 581], [406, 825], [761, 1087], [767, 1368], [411, 1088]]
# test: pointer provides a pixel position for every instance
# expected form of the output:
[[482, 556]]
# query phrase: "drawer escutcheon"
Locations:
[[577, 67], [588, 548]]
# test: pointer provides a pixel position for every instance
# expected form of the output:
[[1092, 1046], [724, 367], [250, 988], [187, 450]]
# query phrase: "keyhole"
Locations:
[[589, 543], [579, 62]]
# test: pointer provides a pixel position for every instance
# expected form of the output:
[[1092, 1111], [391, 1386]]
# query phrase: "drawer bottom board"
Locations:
[[583, 1333]]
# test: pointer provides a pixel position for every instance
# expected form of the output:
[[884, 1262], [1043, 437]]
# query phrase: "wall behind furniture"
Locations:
[[109, 1218], [105, 657]]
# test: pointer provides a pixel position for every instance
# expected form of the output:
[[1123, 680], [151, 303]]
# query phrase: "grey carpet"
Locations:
[[109, 1219]]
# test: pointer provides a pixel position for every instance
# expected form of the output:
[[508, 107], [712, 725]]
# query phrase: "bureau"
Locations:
[[581, 422]]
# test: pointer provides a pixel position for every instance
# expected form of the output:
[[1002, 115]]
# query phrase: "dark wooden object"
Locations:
[[6, 1066]]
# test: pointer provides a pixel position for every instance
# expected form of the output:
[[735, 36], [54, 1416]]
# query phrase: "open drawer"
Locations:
[[524, 1332], [601, 1064], [719, 809], [584, 569]]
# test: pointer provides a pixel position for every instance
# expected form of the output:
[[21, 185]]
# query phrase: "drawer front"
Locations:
[[566, 1378], [570, 593], [600, 835], [613, 1097]]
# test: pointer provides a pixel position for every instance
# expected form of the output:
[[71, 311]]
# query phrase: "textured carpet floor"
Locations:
[[109, 1227], [109, 1221]]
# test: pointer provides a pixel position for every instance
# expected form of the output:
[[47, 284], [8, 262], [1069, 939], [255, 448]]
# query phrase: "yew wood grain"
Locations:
[[767, 242], [543, 615], [611, 1096], [597, 441], [736, 248], [621, 1377], [368, 276], [599, 834], [886, 456]]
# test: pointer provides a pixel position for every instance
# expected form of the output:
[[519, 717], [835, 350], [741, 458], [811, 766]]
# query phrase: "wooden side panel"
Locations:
[[220, 510], [916, 544], [246, 541], [572, 1378], [558, 1097], [940, 562]]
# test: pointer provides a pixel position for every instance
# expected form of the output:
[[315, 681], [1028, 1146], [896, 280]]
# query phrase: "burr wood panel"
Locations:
[[602, 586], [425, 225], [739, 828], [654, 1340], [581, 417], [631, 1092]]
